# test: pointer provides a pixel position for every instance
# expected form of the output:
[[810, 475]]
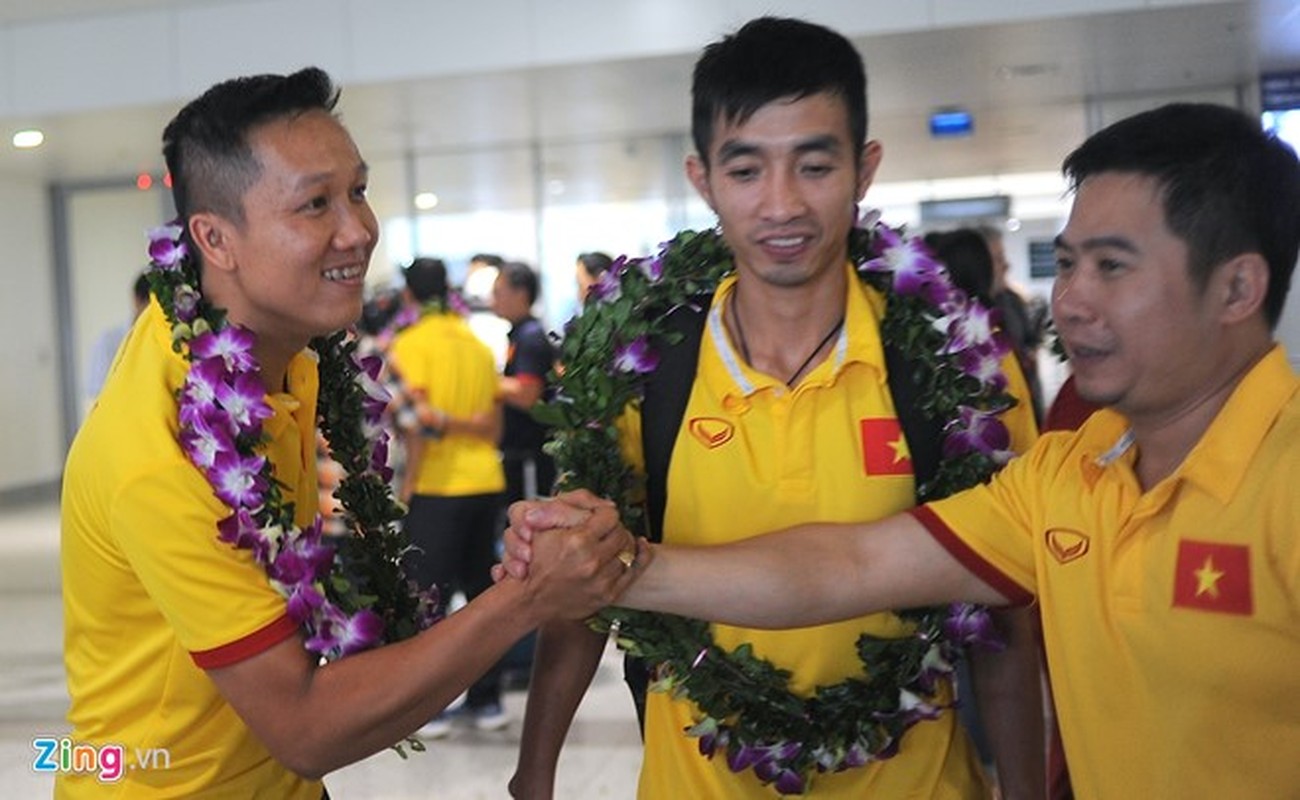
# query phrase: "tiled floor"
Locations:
[[600, 759]]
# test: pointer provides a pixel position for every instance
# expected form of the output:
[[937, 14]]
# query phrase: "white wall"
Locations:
[[30, 422]]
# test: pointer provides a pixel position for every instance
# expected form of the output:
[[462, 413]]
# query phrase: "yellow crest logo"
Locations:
[[711, 431], [1066, 545]]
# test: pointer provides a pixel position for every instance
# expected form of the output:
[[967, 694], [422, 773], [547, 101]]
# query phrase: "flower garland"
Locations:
[[746, 707], [349, 593]]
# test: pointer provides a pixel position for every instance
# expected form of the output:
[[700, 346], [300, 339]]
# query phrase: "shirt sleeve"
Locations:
[[214, 597], [990, 528]]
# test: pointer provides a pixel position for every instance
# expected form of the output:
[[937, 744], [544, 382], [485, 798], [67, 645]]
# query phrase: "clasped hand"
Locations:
[[576, 534]]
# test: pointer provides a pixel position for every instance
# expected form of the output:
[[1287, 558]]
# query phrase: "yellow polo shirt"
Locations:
[[442, 357], [753, 456], [1171, 617], [151, 598]]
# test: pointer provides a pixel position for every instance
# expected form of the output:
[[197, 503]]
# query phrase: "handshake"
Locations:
[[572, 552]]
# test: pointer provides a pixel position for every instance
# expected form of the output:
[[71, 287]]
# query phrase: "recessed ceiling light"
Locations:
[[28, 139], [426, 200]]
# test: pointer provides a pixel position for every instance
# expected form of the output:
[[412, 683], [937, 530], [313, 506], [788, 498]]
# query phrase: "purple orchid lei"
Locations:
[[348, 593], [745, 709]]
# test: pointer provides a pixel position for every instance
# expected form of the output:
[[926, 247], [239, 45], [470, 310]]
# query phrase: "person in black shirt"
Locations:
[[529, 358]]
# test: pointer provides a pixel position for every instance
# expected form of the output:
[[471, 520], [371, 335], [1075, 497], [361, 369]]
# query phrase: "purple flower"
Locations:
[[972, 328], [338, 633], [909, 261], [204, 437], [237, 480], [200, 390], [609, 286], [165, 246], [379, 457], [377, 395], [969, 624], [303, 600], [652, 268], [787, 781], [974, 431], [745, 756], [185, 302], [232, 344], [912, 708], [856, 756], [243, 402], [636, 356], [302, 558], [242, 531], [984, 364]]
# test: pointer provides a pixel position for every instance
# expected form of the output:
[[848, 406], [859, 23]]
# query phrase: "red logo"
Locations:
[[1213, 577], [1066, 545], [711, 431], [884, 450]]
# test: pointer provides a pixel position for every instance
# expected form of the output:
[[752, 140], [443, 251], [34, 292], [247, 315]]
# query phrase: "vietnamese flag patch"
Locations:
[[884, 450], [1213, 577]]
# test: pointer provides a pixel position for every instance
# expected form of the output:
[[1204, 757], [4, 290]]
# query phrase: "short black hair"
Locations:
[[491, 259], [206, 144], [427, 279], [140, 288], [965, 252], [521, 276], [1227, 186], [772, 58], [595, 263]]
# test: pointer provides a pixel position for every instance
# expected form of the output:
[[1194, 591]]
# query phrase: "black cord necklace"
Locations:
[[744, 346]]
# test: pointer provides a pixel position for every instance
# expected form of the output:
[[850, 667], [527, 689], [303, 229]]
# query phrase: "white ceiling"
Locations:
[[1035, 88]]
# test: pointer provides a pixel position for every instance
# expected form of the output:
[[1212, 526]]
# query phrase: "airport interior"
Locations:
[[539, 130]]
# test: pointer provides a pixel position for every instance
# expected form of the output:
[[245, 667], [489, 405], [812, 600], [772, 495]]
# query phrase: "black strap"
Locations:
[[667, 390]]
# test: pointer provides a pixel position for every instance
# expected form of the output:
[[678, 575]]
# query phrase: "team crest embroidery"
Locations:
[[711, 432], [884, 449], [1066, 545], [1210, 576]]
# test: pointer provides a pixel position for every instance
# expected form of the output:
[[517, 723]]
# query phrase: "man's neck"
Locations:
[[1165, 439], [779, 325]]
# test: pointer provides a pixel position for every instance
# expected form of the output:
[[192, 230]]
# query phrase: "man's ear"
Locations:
[[211, 234], [1243, 285], [868, 163], [697, 172]]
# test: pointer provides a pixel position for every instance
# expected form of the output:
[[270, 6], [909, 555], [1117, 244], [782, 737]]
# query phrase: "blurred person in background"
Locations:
[[454, 479]]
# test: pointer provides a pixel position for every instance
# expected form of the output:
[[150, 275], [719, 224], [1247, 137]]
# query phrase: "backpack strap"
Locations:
[[667, 390], [923, 433]]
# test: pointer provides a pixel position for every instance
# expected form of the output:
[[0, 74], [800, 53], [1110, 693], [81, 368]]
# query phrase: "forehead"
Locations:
[[786, 122], [304, 147], [1117, 204]]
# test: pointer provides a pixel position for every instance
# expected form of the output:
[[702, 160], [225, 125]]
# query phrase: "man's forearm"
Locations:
[[564, 662], [837, 571]]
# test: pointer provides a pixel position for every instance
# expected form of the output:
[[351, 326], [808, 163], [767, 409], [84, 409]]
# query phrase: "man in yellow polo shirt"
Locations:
[[454, 476], [182, 660], [1160, 539], [788, 410]]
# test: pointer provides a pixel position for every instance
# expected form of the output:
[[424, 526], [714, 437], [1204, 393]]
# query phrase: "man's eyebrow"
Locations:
[[311, 179], [1096, 242], [819, 144], [738, 148]]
